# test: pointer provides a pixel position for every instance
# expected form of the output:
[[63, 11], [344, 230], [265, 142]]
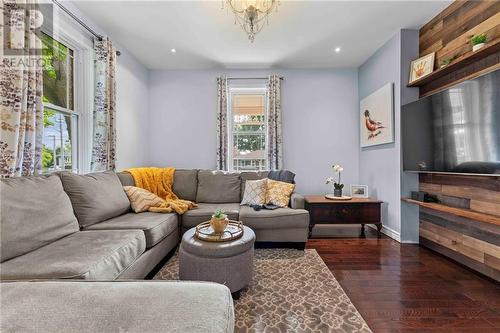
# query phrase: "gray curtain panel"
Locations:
[[104, 136], [275, 142], [222, 140], [21, 85]]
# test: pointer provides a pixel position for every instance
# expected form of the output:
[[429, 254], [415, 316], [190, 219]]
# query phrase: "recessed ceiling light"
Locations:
[[173, 50], [337, 49]]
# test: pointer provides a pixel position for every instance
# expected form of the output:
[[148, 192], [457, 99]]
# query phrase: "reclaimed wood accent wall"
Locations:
[[448, 34], [473, 243]]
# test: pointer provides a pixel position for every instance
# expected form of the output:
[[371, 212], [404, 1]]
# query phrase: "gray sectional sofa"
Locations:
[[212, 190], [67, 228], [118, 306]]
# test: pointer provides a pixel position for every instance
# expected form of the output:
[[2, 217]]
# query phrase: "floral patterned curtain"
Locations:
[[21, 87], [274, 137], [222, 123], [104, 136]]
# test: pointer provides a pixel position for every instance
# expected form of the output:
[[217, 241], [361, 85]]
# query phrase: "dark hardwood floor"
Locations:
[[407, 288]]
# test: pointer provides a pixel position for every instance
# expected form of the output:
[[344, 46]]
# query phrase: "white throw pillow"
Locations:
[[255, 192]]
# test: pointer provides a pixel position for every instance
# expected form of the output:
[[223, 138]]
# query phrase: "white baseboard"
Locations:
[[388, 232]]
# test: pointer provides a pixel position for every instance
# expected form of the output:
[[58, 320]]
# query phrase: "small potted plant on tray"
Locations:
[[337, 191], [219, 221], [478, 41]]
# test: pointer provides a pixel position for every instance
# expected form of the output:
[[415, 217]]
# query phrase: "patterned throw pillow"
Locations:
[[278, 193], [141, 200], [255, 192]]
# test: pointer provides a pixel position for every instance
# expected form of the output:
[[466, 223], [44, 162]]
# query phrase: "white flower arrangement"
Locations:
[[338, 171]]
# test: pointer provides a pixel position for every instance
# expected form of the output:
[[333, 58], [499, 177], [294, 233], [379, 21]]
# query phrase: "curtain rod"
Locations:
[[251, 78], [74, 17]]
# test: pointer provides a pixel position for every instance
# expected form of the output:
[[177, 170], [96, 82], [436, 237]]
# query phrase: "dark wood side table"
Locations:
[[355, 211]]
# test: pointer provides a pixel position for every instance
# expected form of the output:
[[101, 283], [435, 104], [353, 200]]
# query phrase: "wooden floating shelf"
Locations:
[[467, 213], [458, 63]]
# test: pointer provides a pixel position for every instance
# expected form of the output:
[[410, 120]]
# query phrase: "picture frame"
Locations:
[[359, 191], [422, 67], [377, 117]]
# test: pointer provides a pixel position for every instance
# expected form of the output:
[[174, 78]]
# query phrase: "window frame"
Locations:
[[245, 90], [66, 31]]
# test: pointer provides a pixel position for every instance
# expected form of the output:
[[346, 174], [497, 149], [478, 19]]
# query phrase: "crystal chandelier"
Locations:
[[251, 14]]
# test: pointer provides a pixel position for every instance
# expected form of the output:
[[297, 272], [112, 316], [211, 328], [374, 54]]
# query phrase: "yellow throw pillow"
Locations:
[[142, 200], [278, 193]]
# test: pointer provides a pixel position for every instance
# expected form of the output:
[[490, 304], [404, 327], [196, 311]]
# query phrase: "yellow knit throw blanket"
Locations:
[[160, 181]]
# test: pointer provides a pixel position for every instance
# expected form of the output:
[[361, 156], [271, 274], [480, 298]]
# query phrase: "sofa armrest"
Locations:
[[297, 201]]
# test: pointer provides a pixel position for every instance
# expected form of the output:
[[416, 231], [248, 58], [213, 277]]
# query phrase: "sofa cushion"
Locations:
[[204, 212], [126, 178], [35, 211], [281, 218], [96, 197], [119, 306], [186, 184], [218, 187], [155, 226], [89, 255]]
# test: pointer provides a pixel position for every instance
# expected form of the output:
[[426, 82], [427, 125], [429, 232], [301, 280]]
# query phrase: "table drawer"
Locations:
[[345, 213]]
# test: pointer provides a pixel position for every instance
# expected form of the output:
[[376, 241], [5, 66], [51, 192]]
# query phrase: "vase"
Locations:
[[337, 192], [477, 46], [219, 225]]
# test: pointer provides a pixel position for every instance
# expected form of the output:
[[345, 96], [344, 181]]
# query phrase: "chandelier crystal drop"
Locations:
[[251, 14]]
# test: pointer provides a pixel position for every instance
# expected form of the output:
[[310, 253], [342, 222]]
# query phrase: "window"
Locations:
[[247, 129], [68, 76], [60, 121]]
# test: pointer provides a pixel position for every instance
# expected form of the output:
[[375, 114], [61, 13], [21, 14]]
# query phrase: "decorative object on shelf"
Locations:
[[445, 62], [478, 41], [337, 185], [333, 197], [376, 117], [251, 14], [205, 232], [219, 221], [359, 191], [421, 67]]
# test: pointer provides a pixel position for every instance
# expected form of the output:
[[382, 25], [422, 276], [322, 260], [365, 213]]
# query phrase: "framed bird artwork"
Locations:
[[377, 117]]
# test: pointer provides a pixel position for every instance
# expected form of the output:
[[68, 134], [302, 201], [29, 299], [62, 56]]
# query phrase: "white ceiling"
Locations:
[[302, 34]]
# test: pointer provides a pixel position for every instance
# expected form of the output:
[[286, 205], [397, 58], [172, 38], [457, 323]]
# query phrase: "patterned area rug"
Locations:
[[291, 291]]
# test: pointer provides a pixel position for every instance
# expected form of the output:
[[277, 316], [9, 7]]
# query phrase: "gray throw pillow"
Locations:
[[218, 187], [282, 176], [95, 197], [35, 212]]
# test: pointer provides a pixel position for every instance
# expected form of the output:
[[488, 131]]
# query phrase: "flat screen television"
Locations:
[[456, 130]]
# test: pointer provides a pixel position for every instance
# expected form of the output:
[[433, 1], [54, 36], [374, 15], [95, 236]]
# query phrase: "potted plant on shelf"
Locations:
[[219, 221], [478, 41], [337, 186], [445, 62]]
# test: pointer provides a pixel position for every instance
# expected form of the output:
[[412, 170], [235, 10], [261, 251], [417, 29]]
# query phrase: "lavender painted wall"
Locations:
[[132, 120], [320, 124], [380, 166], [409, 181]]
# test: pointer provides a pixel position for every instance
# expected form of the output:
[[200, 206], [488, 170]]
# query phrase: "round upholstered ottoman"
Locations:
[[229, 263]]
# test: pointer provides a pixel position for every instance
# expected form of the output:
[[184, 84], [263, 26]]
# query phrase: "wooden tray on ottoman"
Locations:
[[204, 232]]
